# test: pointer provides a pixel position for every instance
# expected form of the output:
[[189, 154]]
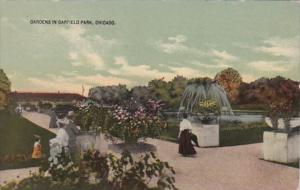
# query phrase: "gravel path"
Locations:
[[15, 174], [39, 119], [223, 168]]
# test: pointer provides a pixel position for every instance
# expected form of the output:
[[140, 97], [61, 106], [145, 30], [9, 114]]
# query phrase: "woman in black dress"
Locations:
[[186, 147]]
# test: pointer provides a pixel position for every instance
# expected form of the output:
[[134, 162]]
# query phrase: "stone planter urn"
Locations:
[[208, 134], [88, 140], [281, 146]]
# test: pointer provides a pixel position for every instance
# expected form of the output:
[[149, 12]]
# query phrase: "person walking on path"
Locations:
[[72, 131], [37, 148], [53, 120], [186, 147]]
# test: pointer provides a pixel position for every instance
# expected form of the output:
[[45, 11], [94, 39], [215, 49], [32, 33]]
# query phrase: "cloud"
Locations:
[[4, 19], [224, 55], [94, 59], [144, 73], [188, 72], [84, 49], [215, 64], [281, 47], [269, 66], [176, 44], [72, 82], [54, 84], [248, 77], [12, 75], [73, 56], [173, 44]]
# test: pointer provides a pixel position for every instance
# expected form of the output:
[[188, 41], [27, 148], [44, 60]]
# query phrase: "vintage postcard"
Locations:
[[149, 95]]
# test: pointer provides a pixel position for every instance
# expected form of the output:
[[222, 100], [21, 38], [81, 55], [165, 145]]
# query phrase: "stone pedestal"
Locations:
[[281, 147], [87, 141], [208, 135]]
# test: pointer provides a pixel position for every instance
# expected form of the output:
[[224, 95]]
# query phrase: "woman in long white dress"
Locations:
[[61, 140]]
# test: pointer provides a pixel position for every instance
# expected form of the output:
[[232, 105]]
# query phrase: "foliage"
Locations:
[[29, 107], [109, 95], [281, 109], [98, 171], [160, 90], [168, 92], [237, 133], [125, 173], [5, 88], [279, 95], [176, 89], [45, 105], [141, 94], [266, 91], [60, 166], [203, 81], [208, 106], [231, 80], [231, 132], [62, 109], [132, 122], [4, 82], [92, 117], [208, 109]]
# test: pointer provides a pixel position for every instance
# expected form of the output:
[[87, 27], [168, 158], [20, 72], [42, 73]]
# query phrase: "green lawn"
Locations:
[[16, 141], [237, 133], [231, 133]]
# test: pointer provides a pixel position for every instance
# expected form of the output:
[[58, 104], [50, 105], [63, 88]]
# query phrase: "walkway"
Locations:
[[224, 168]]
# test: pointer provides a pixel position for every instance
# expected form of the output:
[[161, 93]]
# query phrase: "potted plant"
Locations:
[[207, 130], [281, 143], [208, 111], [91, 118]]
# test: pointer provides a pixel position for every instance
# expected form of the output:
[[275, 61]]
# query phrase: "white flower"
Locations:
[[47, 174], [70, 164], [55, 161], [59, 166]]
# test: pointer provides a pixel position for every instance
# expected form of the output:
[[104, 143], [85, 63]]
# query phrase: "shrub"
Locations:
[[92, 117], [100, 172], [132, 122], [281, 109], [45, 105], [29, 107]]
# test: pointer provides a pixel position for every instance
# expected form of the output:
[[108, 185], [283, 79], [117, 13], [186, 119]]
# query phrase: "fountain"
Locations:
[[195, 92], [204, 89]]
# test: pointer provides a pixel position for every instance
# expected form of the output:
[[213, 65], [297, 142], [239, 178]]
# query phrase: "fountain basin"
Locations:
[[208, 134]]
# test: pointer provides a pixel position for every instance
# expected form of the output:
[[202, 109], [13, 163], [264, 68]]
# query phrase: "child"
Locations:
[[37, 148]]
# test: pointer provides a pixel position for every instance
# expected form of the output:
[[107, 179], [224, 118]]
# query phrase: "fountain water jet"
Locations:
[[204, 89]]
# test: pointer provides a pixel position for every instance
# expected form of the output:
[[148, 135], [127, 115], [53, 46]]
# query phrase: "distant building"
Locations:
[[36, 97]]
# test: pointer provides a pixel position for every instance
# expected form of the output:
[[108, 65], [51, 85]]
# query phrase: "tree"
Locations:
[[160, 90], [109, 95], [177, 87], [169, 92], [5, 88], [231, 80], [141, 94]]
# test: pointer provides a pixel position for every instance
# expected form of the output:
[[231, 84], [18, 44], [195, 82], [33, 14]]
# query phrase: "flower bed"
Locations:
[[133, 122]]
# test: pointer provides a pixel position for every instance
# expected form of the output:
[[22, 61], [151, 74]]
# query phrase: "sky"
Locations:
[[150, 39]]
